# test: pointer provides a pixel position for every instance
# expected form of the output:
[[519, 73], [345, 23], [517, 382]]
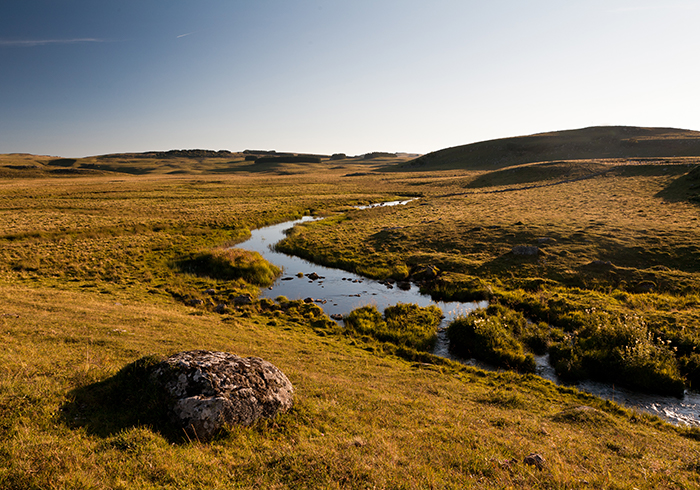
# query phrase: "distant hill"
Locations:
[[188, 162], [578, 144]]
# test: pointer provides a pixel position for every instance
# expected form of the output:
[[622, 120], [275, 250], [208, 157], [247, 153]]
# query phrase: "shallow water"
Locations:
[[336, 291], [340, 292]]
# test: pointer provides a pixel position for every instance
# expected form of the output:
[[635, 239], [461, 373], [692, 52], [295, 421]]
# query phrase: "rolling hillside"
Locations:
[[579, 144]]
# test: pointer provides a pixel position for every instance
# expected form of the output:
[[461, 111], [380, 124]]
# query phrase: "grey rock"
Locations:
[[534, 459], [243, 299], [525, 250], [213, 389], [221, 308]]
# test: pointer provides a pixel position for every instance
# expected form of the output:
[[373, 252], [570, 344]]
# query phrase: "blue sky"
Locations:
[[81, 78]]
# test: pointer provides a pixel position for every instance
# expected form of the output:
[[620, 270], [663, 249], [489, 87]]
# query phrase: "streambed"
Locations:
[[339, 292]]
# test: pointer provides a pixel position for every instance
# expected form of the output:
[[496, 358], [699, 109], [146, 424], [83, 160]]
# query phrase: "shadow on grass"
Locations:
[[126, 400], [684, 188]]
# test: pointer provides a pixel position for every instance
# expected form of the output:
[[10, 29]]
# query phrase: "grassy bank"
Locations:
[[91, 279], [615, 252]]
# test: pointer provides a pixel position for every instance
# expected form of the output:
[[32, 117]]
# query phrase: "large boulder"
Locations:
[[211, 389]]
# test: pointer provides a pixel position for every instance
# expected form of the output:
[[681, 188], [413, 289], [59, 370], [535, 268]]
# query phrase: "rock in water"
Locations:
[[212, 389]]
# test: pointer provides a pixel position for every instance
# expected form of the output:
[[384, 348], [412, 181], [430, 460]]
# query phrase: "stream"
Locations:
[[339, 292]]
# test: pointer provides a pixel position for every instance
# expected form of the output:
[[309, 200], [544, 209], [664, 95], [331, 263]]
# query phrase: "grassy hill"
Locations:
[[187, 162], [602, 142]]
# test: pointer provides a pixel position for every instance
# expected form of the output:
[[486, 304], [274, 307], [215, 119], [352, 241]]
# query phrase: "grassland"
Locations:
[[92, 278], [617, 257]]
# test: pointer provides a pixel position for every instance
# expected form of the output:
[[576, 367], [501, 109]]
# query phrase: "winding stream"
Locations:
[[339, 292]]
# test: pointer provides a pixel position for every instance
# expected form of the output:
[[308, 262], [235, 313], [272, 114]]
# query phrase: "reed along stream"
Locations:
[[339, 292]]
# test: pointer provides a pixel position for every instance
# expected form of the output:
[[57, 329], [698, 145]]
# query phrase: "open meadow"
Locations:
[[105, 261]]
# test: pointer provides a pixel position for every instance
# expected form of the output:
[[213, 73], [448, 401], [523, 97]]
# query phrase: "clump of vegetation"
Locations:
[[232, 263], [491, 335], [621, 350], [583, 415], [407, 325]]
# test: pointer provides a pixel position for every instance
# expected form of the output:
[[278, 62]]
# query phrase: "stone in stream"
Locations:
[[212, 389]]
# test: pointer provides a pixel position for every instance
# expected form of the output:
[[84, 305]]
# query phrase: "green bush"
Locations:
[[407, 325]]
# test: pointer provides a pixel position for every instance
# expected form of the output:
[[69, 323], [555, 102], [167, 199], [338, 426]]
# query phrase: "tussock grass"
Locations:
[[622, 242], [406, 325], [232, 263], [491, 334], [99, 289]]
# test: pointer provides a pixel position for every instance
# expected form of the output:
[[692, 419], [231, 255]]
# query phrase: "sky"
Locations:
[[81, 78]]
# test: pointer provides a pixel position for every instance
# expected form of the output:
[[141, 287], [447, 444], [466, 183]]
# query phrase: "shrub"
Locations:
[[690, 367]]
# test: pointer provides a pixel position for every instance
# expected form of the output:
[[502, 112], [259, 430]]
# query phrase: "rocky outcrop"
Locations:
[[212, 389]]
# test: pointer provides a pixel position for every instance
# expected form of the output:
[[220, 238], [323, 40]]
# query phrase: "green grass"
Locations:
[[406, 325], [492, 335], [232, 263], [622, 243], [90, 283]]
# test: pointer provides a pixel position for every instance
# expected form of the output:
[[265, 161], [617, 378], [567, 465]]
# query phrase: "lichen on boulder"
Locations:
[[212, 389]]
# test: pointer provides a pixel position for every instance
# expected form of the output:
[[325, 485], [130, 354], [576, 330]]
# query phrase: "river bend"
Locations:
[[339, 292]]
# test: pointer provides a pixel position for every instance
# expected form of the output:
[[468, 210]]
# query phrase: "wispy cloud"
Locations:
[[43, 42], [187, 34]]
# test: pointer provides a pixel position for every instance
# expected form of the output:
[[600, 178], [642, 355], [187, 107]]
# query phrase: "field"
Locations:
[[610, 261], [97, 271]]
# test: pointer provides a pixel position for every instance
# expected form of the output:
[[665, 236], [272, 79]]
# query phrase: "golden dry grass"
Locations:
[[87, 285]]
